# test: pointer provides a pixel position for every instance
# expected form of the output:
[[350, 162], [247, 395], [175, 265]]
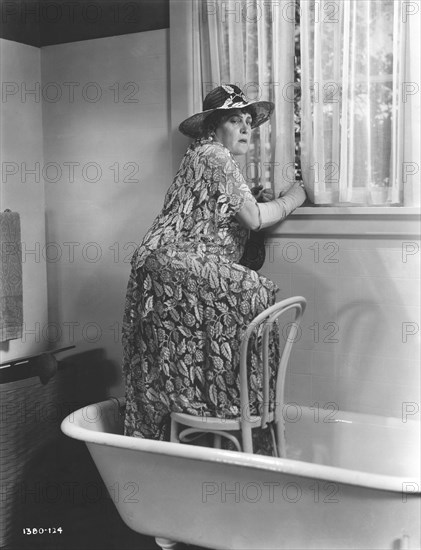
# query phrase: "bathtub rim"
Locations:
[[72, 426]]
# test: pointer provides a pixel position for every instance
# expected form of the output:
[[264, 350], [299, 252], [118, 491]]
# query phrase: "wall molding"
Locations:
[[181, 76], [368, 222]]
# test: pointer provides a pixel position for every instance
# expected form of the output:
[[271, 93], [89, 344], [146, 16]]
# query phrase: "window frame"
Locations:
[[182, 39]]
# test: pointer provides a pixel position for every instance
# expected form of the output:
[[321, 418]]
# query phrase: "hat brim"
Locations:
[[194, 125]]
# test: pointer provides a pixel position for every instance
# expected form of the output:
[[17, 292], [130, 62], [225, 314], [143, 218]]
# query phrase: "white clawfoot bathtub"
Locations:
[[350, 481]]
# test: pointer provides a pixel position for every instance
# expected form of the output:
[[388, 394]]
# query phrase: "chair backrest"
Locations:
[[287, 336]]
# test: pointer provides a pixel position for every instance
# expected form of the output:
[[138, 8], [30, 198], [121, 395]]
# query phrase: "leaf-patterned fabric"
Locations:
[[188, 300]]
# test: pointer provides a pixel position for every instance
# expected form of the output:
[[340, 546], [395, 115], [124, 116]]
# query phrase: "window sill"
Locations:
[[357, 210], [347, 222]]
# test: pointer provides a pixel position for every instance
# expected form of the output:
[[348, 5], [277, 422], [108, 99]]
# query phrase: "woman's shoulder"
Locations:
[[209, 146], [211, 151]]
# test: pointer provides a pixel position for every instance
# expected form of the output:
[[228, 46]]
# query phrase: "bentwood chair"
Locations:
[[185, 427]]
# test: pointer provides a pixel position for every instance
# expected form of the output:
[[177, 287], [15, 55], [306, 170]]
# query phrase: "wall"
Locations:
[[73, 225], [22, 191], [114, 134], [360, 271]]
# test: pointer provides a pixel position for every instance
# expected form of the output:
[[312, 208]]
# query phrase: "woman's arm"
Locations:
[[256, 216], [249, 215]]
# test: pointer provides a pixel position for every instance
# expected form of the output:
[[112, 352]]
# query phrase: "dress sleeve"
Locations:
[[227, 185]]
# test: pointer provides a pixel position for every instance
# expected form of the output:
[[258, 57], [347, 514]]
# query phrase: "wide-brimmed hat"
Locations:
[[225, 97]]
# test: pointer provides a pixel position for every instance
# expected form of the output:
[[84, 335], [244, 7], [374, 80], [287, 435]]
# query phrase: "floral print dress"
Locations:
[[189, 301]]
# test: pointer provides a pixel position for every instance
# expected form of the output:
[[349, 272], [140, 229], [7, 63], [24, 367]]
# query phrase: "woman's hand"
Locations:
[[256, 216], [262, 194], [295, 188]]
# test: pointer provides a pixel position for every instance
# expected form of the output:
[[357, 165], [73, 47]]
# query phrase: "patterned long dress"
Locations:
[[188, 300]]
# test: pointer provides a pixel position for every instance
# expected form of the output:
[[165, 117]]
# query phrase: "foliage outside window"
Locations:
[[350, 119]]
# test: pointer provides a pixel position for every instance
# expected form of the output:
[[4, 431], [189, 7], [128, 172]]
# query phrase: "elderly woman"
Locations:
[[188, 299]]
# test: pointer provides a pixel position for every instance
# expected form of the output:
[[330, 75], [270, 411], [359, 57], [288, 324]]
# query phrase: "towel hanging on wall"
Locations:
[[11, 308]]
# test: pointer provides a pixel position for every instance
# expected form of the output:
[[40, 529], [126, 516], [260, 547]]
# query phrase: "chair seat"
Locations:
[[209, 423], [183, 425]]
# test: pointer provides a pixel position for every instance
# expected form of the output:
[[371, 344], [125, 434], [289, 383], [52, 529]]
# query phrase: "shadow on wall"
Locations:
[[87, 377], [360, 332], [56, 486], [4, 346], [50, 481]]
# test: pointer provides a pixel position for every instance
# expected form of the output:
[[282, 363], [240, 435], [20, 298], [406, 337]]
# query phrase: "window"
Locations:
[[343, 76]]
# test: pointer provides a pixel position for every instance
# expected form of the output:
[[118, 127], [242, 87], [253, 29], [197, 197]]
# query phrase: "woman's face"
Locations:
[[234, 132]]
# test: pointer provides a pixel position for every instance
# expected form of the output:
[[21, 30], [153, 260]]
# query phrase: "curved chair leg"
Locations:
[[165, 544], [174, 432]]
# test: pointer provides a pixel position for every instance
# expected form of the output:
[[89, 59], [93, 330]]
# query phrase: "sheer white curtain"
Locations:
[[250, 43], [360, 101]]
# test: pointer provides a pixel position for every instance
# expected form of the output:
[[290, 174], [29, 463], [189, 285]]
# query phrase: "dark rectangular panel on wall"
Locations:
[[46, 22]]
